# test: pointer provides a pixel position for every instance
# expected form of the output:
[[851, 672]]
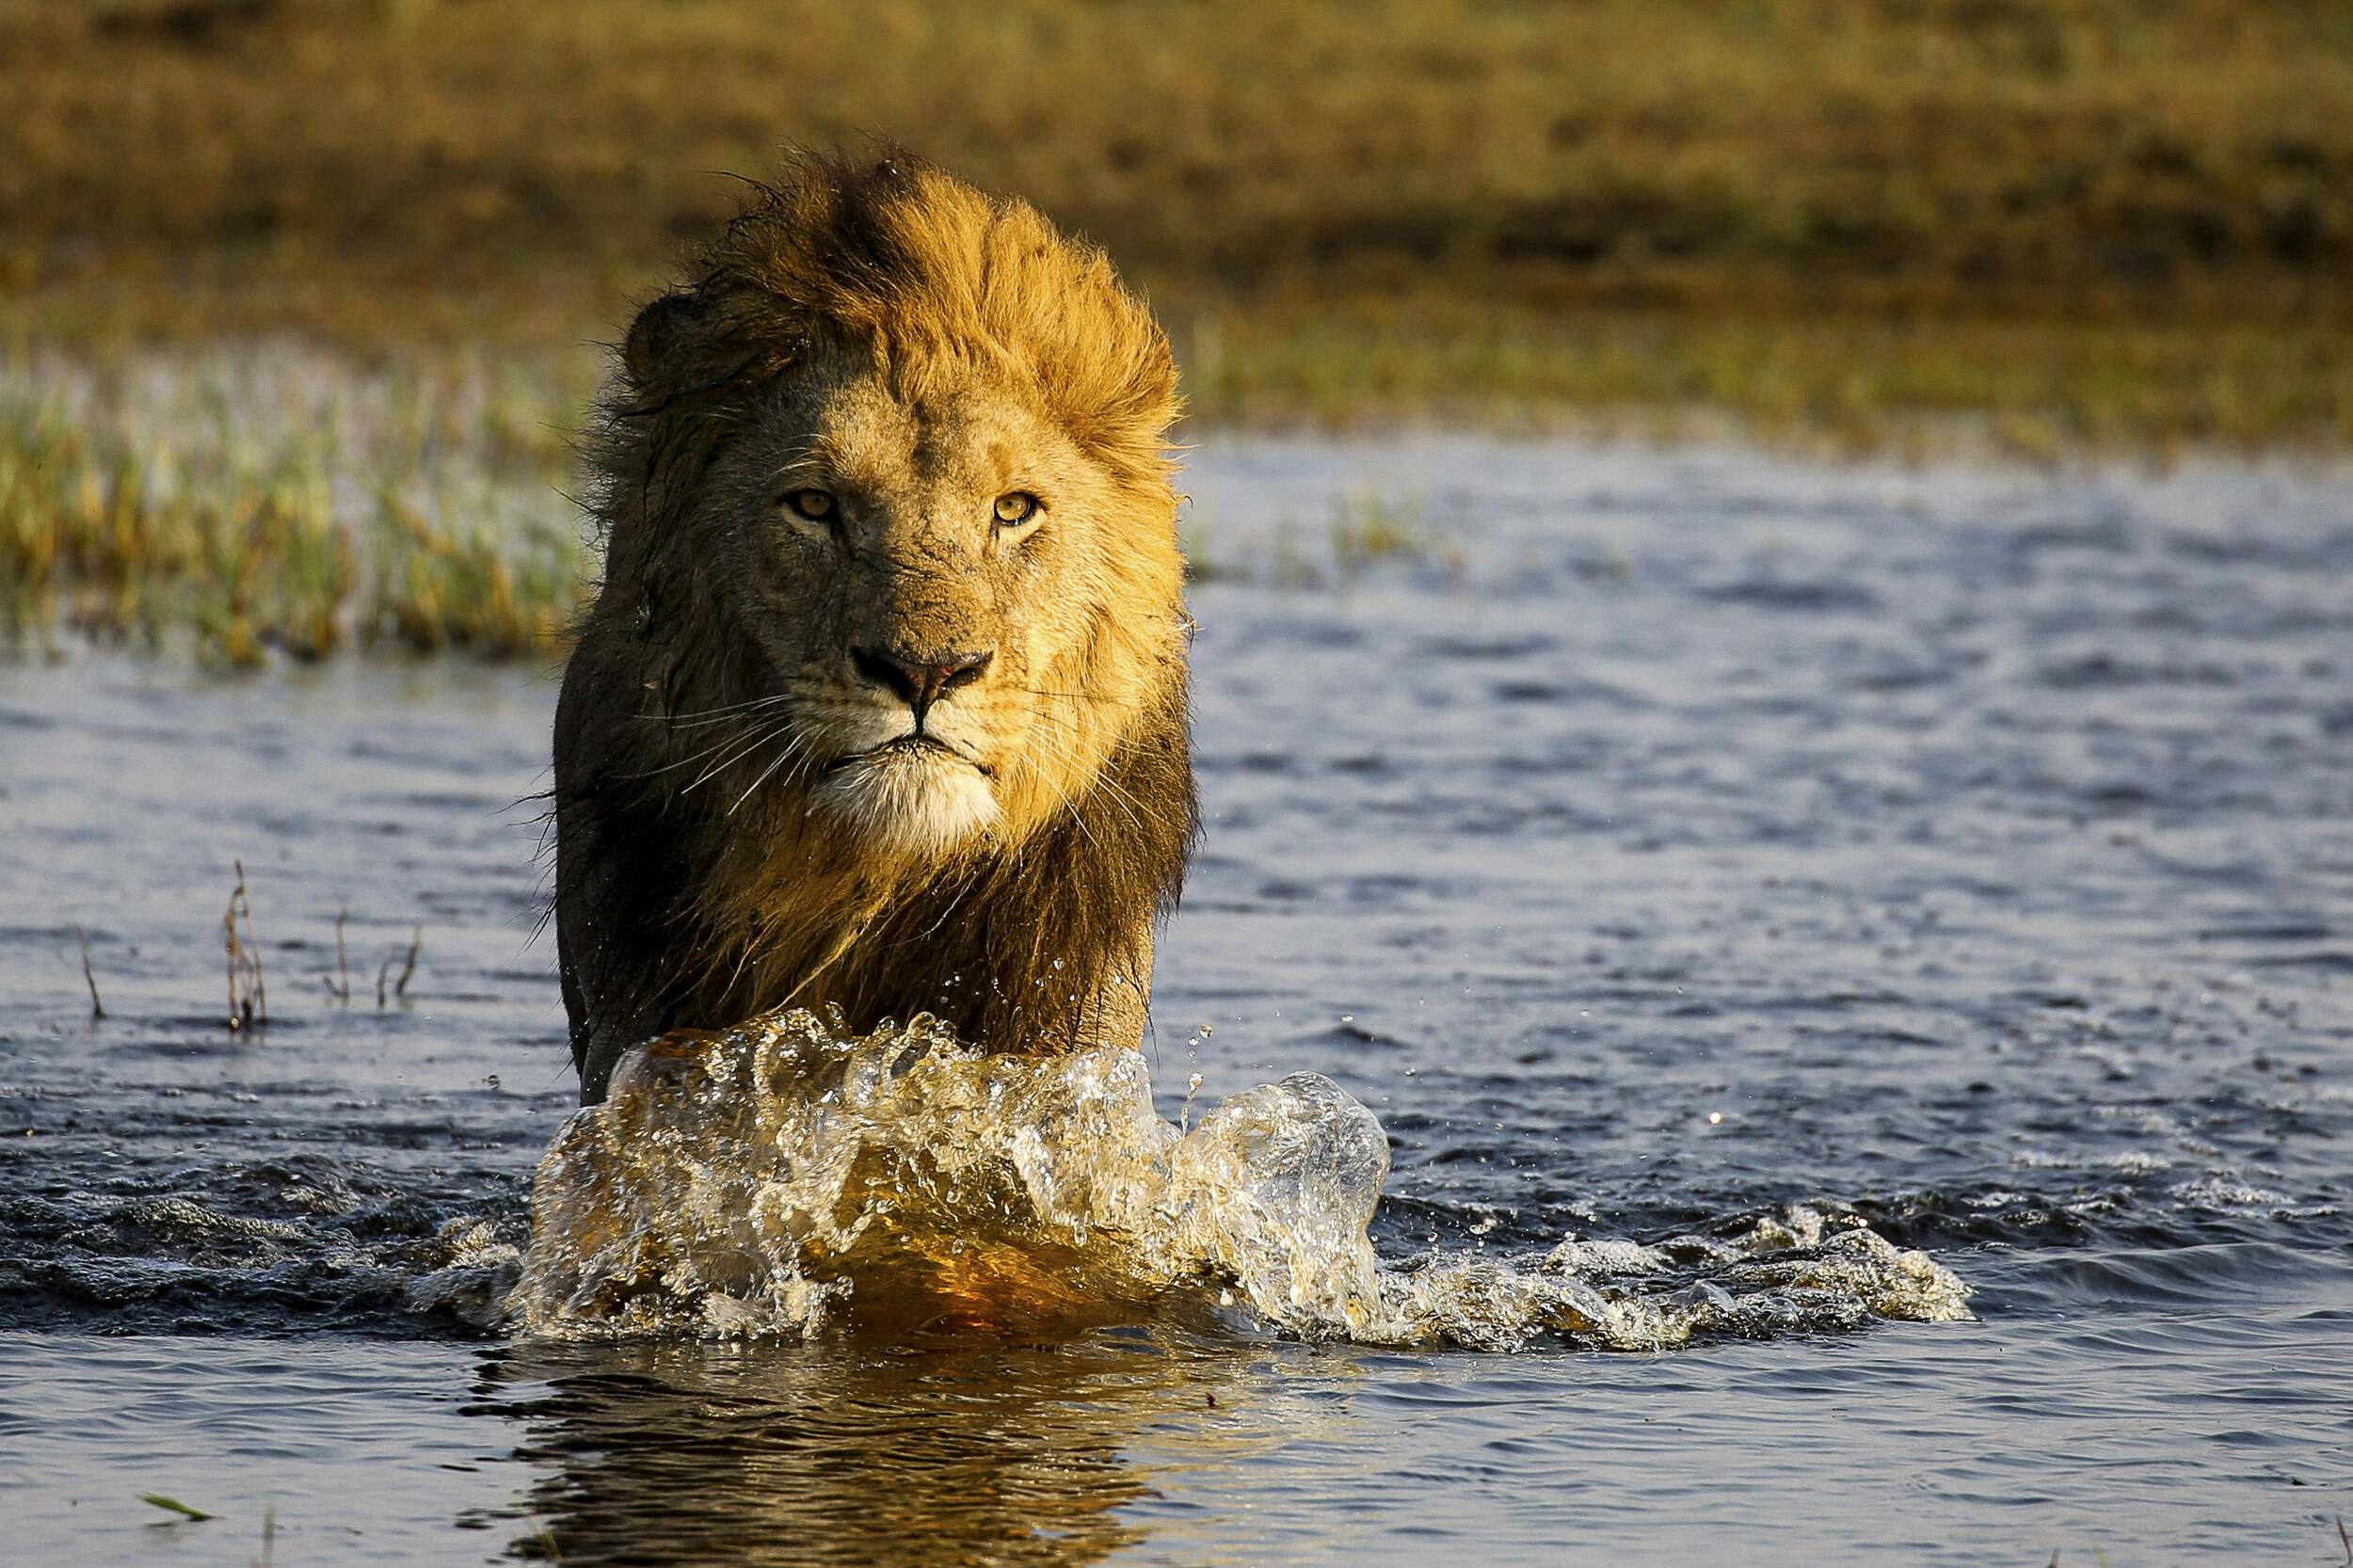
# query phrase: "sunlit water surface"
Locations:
[[1754, 900]]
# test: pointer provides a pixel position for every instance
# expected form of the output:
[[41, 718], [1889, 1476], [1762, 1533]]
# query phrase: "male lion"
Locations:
[[882, 702]]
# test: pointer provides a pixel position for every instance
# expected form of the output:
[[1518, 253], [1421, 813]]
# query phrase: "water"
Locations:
[[1658, 846], [790, 1178]]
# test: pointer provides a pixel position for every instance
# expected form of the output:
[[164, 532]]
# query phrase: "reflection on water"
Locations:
[[769, 1452]]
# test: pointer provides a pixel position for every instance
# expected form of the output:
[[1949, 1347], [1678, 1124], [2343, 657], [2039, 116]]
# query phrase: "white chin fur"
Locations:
[[928, 806]]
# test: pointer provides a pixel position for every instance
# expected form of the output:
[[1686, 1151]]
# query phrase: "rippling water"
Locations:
[[788, 1176], [1656, 845]]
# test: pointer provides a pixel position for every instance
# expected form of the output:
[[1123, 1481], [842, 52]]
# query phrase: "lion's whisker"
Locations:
[[1127, 802], [685, 762], [1116, 793], [1072, 807], [732, 757], [724, 715], [792, 745], [724, 709], [720, 745]]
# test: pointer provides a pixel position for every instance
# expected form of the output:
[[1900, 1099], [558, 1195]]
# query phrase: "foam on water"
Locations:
[[789, 1177]]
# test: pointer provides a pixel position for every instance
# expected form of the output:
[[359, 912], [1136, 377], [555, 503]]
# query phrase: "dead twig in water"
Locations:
[[261, 983], [343, 968], [240, 1007], [89, 976], [248, 992], [416, 945], [407, 967], [2347, 1539]]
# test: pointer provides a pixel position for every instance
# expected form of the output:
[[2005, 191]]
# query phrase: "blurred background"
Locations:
[[2051, 227]]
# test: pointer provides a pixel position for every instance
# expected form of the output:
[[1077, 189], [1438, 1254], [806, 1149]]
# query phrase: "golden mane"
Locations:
[[671, 915], [927, 271]]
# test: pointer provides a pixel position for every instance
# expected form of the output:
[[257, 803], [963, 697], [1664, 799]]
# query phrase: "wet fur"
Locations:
[[696, 884]]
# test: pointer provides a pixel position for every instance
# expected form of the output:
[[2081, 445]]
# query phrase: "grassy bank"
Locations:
[[250, 504], [2103, 219], [2045, 226]]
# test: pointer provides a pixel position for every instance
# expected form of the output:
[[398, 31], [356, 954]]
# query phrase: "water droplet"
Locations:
[[757, 1162]]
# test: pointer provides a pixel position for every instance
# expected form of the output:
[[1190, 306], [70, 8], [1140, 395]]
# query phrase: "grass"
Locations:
[[173, 1505], [256, 508], [2023, 148], [1368, 529], [2040, 226], [2116, 219], [1840, 383]]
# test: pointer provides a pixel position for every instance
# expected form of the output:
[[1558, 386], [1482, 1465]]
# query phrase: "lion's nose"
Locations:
[[921, 682]]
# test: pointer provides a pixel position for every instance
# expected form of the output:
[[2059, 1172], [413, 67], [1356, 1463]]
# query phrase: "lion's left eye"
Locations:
[[1016, 507], [816, 505]]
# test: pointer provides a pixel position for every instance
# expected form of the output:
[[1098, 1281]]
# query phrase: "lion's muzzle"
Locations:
[[919, 680]]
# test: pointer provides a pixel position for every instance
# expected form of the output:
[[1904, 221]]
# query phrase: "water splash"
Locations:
[[787, 1176]]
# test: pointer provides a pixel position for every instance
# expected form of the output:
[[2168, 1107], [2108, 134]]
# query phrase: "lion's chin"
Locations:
[[924, 805]]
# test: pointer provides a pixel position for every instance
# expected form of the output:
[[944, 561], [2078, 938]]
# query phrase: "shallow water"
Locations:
[[789, 1176], [1654, 843]]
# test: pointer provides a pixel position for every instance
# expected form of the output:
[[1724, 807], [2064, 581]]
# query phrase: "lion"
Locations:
[[882, 702]]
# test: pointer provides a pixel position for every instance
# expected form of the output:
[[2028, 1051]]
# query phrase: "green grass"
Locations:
[[2038, 227], [173, 1505], [2075, 222], [1856, 382], [257, 506], [2025, 149]]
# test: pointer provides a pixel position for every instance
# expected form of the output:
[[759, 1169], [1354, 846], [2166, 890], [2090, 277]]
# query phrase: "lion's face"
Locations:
[[929, 582]]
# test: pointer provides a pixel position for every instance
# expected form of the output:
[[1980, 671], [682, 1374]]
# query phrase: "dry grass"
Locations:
[[2029, 148], [2048, 225], [1826, 381], [276, 502], [2112, 217]]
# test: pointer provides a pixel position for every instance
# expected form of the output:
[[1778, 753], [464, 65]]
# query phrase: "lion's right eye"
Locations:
[[816, 505]]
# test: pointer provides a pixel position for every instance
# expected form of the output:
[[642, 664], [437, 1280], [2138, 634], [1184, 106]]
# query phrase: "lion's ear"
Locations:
[[656, 338]]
